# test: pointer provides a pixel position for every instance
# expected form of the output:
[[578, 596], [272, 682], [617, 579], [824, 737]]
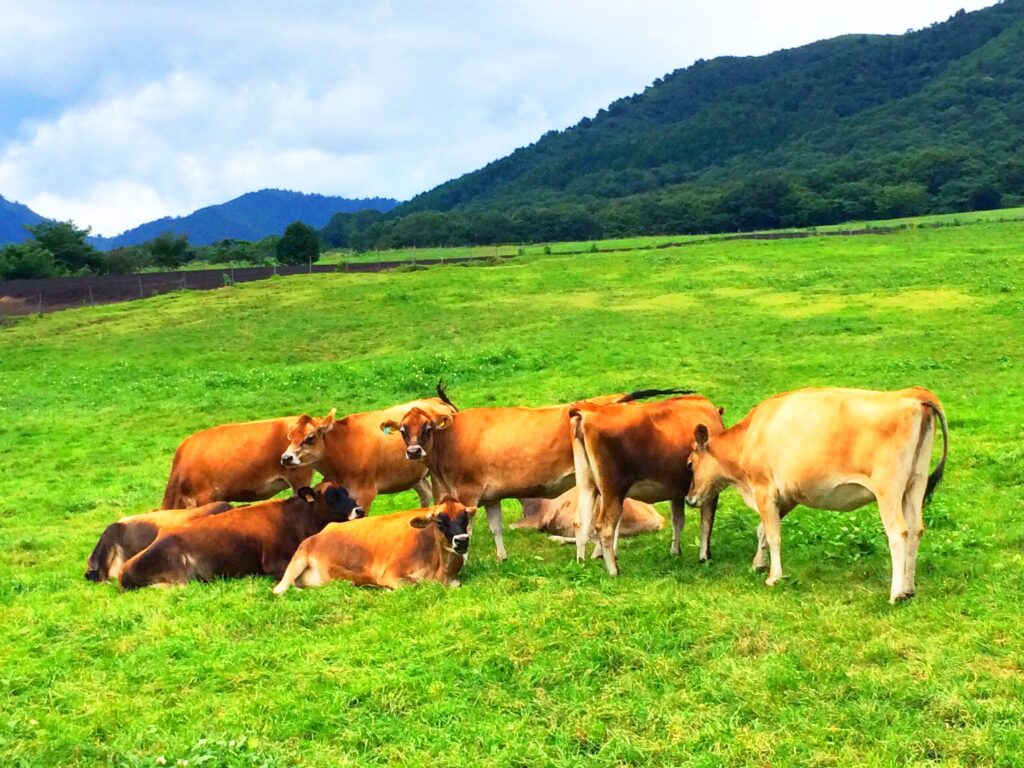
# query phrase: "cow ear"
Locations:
[[306, 494], [327, 422], [422, 521], [443, 423], [700, 434], [388, 427]]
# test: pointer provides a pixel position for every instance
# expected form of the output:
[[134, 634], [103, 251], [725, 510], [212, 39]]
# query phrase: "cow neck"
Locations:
[[333, 443], [727, 447], [451, 562], [435, 460]]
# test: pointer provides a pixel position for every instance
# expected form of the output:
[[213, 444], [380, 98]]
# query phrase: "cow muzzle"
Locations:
[[414, 452], [357, 513], [692, 501], [288, 460], [460, 543]]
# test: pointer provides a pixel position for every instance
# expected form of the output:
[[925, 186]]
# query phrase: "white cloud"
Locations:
[[164, 107]]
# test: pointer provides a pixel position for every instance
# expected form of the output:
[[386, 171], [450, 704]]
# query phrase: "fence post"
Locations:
[[40, 306], [232, 273], [91, 299], [141, 294]]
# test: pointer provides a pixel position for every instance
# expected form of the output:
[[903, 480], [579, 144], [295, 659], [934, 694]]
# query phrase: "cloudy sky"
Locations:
[[116, 112]]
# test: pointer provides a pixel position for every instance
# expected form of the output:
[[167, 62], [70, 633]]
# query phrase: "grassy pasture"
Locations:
[[536, 661]]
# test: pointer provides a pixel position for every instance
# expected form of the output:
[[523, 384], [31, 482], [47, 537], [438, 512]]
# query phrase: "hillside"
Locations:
[[856, 126], [252, 216], [14, 217]]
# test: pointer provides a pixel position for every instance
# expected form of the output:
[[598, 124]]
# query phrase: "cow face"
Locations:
[[452, 522], [331, 503], [417, 429], [306, 440], [704, 468]]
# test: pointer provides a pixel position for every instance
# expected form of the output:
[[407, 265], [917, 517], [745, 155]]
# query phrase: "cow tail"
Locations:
[[297, 566], [936, 476], [645, 394]]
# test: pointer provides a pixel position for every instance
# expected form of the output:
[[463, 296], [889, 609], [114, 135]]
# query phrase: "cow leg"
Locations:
[[494, 523], [423, 490], [707, 522], [913, 500], [890, 507], [586, 507], [608, 523], [771, 532], [760, 561], [678, 522]]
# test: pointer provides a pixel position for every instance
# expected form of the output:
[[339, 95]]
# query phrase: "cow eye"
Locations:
[[309, 440], [427, 427]]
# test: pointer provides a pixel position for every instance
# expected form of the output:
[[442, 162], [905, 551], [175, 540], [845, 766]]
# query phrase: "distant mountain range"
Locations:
[[252, 216], [14, 217]]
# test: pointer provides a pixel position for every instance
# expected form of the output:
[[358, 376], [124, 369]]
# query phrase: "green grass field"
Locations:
[[537, 661]]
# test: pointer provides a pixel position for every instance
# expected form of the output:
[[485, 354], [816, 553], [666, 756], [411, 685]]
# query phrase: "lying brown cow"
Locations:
[[124, 539], [239, 462], [830, 449], [638, 451], [256, 539], [557, 518], [405, 547], [356, 454], [484, 455]]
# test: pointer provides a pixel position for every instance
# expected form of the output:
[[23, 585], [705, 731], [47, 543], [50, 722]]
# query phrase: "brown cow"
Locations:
[[256, 539], [484, 455], [427, 544], [356, 454], [239, 462], [830, 449], [638, 451], [124, 539], [557, 518]]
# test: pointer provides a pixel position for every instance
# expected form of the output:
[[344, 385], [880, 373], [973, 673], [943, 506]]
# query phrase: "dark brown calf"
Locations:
[[124, 539], [257, 539]]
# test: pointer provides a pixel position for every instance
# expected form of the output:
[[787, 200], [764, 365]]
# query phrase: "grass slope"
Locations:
[[537, 661]]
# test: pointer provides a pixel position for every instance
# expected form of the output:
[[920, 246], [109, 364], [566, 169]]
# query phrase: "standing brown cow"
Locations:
[[638, 451], [830, 449], [483, 455]]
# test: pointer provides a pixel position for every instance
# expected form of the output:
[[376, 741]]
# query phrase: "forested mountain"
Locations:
[[14, 217], [853, 127], [252, 216]]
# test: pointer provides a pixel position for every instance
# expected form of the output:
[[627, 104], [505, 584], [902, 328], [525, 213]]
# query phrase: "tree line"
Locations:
[[59, 249]]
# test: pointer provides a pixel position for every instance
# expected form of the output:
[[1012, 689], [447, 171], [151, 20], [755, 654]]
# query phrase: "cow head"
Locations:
[[417, 429], [452, 522], [706, 477], [306, 440], [331, 503]]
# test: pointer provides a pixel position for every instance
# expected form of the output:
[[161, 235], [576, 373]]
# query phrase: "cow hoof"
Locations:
[[902, 597], [454, 583], [772, 581], [673, 551], [760, 566], [703, 560]]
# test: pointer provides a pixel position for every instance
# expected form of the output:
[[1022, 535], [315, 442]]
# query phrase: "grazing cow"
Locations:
[[483, 455], [240, 462], [638, 451], [257, 539], [427, 544], [557, 518], [356, 454], [124, 539], [830, 449]]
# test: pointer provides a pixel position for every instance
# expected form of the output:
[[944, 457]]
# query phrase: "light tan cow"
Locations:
[[557, 518], [830, 449], [638, 451], [354, 453], [483, 455]]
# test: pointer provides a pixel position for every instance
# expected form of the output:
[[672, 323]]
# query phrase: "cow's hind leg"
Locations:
[[890, 507], [494, 523], [913, 501], [607, 528], [678, 522]]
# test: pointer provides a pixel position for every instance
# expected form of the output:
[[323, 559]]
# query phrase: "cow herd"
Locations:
[[585, 471]]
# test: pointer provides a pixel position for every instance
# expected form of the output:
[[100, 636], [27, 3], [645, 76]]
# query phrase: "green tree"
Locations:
[[27, 260], [168, 250], [67, 244], [298, 245]]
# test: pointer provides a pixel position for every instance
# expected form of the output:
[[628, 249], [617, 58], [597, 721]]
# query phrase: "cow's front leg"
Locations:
[[678, 522], [707, 522], [771, 531], [494, 523]]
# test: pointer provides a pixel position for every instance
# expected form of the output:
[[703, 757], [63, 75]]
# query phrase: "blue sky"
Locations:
[[114, 113]]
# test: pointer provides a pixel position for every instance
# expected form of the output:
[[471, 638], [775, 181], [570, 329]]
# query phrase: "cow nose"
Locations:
[[358, 512], [287, 459], [460, 542], [414, 452]]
